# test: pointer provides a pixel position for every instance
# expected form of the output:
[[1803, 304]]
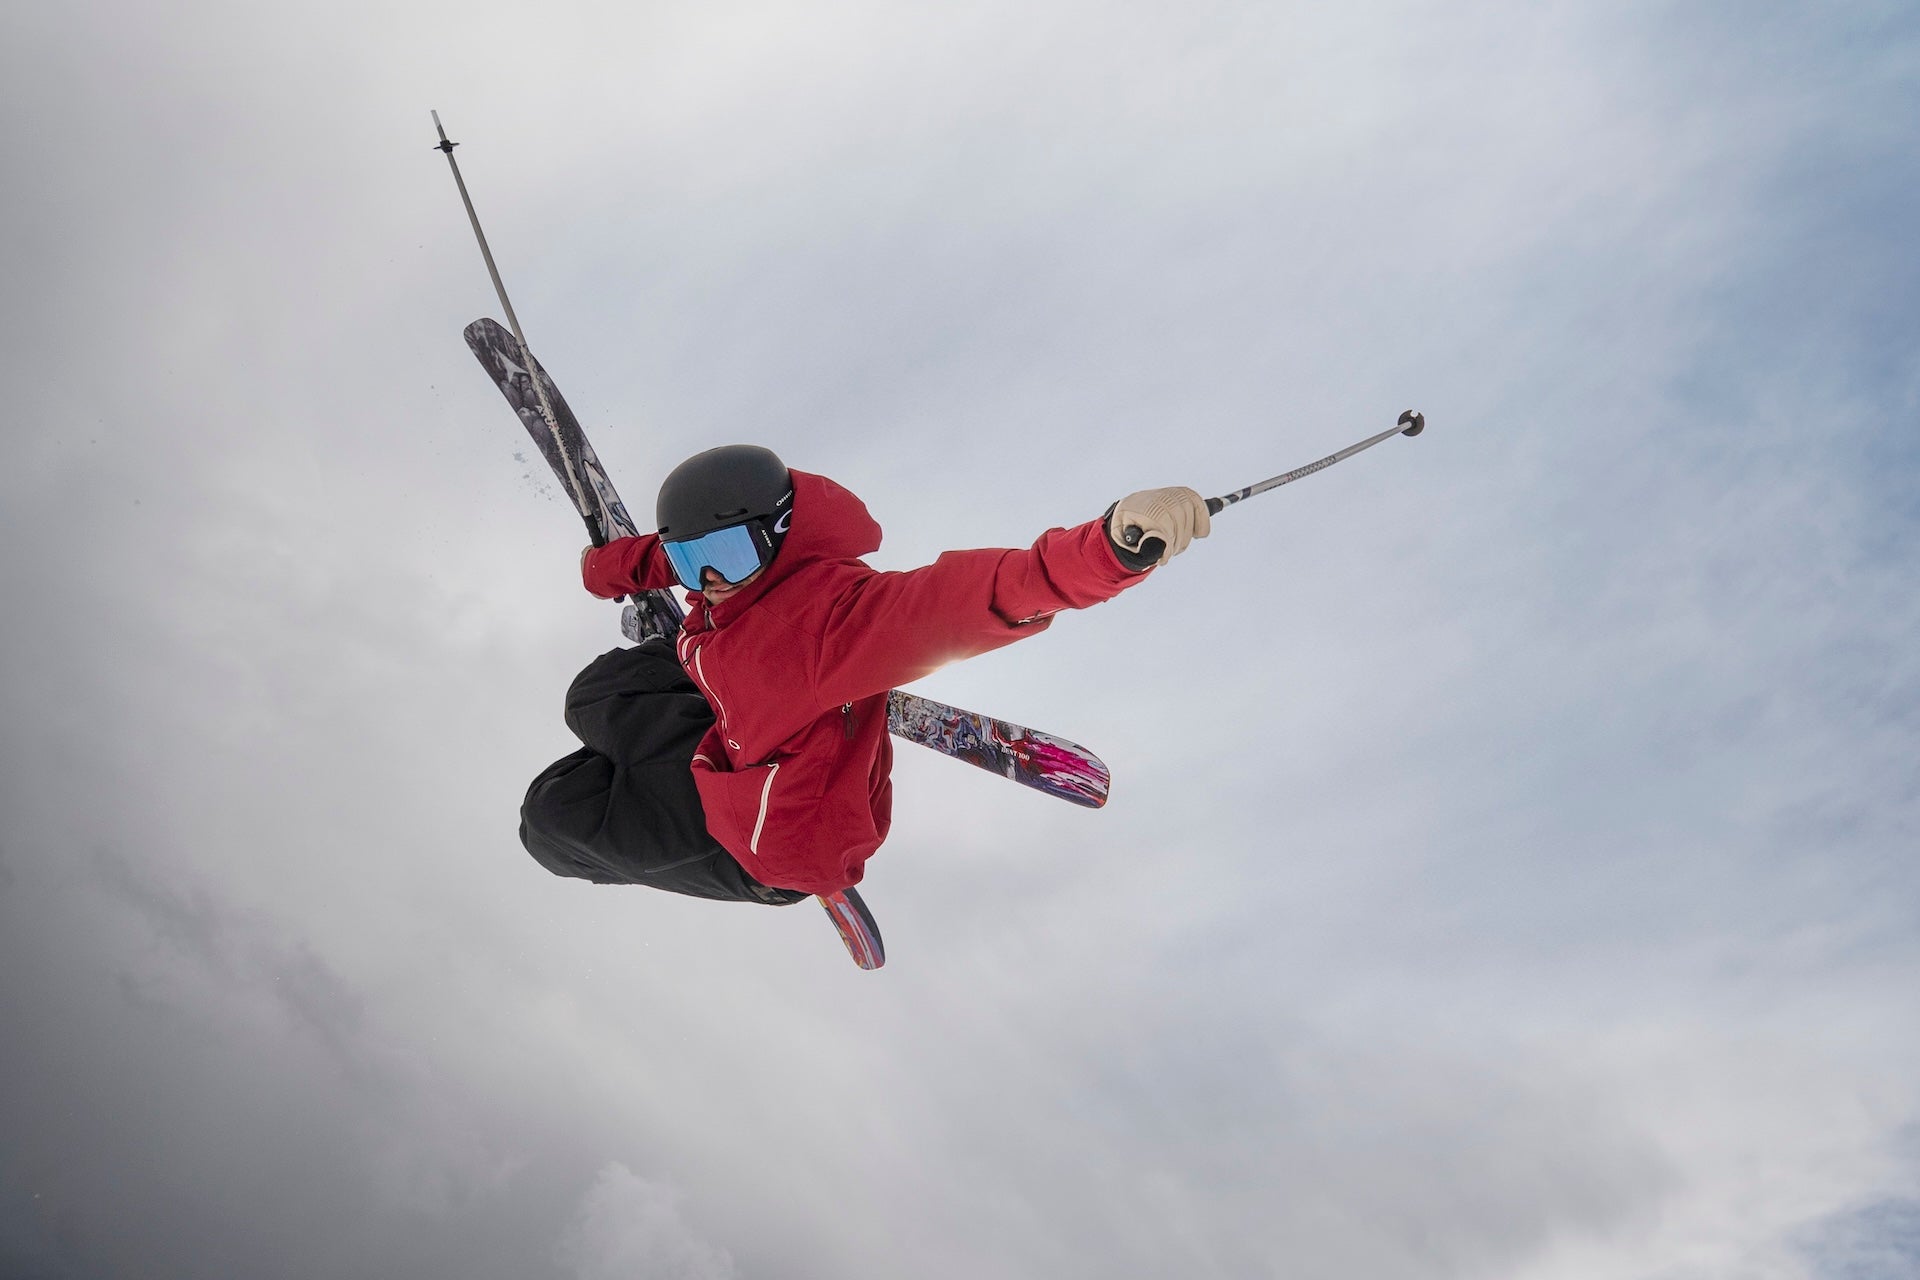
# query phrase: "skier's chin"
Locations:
[[716, 594]]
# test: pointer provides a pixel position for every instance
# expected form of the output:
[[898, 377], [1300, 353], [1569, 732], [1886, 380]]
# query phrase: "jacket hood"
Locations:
[[829, 522]]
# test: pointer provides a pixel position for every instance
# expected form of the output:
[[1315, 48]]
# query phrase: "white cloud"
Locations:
[[629, 1228]]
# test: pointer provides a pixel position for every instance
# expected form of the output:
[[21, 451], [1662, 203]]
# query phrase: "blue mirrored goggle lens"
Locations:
[[729, 552]]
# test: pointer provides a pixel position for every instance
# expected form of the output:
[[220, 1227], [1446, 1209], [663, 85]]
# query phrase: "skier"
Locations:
[[794, 642]]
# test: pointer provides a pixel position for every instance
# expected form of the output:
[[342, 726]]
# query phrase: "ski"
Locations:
[[569, 453], [1029, 757], [848, 911], [1044, 762]]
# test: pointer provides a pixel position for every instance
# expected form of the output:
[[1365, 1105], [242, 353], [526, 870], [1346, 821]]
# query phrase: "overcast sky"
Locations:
[[1511, 868]]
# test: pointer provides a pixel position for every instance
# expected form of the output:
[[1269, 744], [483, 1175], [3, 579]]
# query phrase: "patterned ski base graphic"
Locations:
[[850, 916], [570, 454], [1039, 760]]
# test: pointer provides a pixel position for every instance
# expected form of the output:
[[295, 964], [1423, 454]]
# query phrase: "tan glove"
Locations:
[[1171, 517]]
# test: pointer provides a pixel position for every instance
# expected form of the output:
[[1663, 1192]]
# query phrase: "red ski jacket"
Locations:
[[795, 774]]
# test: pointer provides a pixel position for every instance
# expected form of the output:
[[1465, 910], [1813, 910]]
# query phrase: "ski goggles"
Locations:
[[732, 552]]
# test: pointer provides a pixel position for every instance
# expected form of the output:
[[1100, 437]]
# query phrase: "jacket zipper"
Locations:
[[773, 770], [846, 720], [706, 685]]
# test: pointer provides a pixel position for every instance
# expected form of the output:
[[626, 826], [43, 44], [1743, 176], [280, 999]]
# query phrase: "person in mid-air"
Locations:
[[790, 645]]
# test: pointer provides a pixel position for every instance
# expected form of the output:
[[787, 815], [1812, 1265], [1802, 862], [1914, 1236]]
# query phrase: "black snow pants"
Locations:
[[623, 809]]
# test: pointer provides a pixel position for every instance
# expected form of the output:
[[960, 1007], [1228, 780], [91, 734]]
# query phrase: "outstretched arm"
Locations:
[[888, 629]]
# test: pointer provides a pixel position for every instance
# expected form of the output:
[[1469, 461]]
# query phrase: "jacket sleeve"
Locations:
[[888, 629], [627, 565]]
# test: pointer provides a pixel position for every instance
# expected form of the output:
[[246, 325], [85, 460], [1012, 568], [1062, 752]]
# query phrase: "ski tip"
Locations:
[[858, 931], [1082, 778]]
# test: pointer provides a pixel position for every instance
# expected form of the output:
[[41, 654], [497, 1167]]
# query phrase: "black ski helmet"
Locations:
[[734, 484]]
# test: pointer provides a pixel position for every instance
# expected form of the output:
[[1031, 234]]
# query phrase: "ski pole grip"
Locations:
[[1132, 533]]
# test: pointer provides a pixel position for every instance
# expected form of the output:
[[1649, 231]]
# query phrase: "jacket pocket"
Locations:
[[786, 821]]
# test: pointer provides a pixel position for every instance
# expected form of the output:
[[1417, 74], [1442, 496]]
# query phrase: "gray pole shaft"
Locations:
[[1410, 424], [1228, 499], [478, 234], [526, 352]]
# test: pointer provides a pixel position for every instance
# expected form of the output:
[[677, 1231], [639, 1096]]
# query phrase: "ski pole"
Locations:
[[1409, 424], [594, 528]]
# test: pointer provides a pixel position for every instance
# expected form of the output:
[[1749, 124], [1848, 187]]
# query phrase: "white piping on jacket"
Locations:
[[753, 845], [766, 791], [707, 684]]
